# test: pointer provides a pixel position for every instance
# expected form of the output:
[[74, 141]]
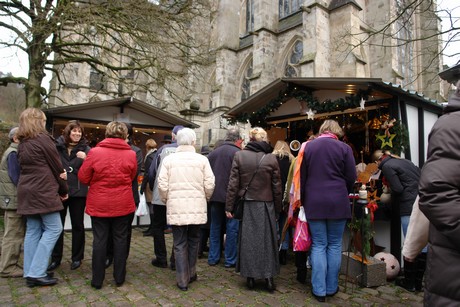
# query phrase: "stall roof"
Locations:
[[272, 90], [132, 110]]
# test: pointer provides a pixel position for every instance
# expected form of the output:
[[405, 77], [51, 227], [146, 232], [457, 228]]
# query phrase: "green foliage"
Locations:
[[258, 118], [401, 140], [362, 230]]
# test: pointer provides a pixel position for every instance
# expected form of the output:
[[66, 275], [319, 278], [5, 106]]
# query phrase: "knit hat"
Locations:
[[177, 129]]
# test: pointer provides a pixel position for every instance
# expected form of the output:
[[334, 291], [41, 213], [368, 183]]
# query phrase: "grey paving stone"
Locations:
[[216, 286]]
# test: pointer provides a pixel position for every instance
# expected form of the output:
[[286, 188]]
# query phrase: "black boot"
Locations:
[[149, 231], [269, 284], [421, 266], [250, 283], [302, 275], [283, 256], [410, 271]]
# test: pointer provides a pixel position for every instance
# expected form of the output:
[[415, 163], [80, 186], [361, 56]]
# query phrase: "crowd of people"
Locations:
[[195, 195]]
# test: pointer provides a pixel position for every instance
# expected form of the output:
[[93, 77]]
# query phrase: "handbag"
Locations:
[[238, 206], [302, 238]]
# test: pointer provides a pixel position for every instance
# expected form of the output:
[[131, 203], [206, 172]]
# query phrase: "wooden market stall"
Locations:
[[374, 114], [147, 122]]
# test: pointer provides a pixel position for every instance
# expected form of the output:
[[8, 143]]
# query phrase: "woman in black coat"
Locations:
[[72, 148], [151, 148], [403, 179]]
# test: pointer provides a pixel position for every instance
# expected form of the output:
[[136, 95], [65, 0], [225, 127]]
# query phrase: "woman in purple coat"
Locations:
[[327, 175]]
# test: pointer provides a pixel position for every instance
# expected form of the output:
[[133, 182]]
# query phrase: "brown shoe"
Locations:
[[14, 273]]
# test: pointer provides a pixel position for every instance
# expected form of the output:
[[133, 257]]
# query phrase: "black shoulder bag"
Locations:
[[239, 203]]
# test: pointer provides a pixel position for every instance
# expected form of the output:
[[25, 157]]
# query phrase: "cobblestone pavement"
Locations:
[[216, 286]]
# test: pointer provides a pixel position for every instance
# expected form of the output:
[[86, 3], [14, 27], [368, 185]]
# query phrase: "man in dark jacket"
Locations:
[[221, 160], [159, 207], [439, 201], [403, 178]]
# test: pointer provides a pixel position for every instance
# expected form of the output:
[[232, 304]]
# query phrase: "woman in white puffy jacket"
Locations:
[[185, 183]]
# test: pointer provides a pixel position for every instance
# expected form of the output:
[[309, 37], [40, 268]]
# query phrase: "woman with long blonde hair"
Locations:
[[284, 158]]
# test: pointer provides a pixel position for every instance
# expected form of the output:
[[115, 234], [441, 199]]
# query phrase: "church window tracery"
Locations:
[[288, 7], [292, 64], [246, 84]]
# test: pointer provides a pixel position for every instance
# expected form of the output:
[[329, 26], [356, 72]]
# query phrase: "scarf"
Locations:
[[294, 199]]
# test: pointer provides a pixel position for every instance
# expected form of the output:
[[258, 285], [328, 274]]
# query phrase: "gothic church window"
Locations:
[[292, 64], [404, 36], [246, 84], [249, 16], [288, 7], [96, 80]]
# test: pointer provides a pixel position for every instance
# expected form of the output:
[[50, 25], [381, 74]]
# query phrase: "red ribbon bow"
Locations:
[[372, 206]]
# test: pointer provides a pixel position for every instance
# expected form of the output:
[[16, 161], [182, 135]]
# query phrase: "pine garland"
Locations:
[[258, 118]]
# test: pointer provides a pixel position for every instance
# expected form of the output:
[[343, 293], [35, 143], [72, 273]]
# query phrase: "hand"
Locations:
[[64, 197], [229, 214], [81, 155], [63, 175]]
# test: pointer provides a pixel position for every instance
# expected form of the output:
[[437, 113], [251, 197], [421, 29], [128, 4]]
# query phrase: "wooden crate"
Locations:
[[370, 274]]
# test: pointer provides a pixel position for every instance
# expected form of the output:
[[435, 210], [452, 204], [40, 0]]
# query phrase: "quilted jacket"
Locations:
[[186, 182], [109, 170]]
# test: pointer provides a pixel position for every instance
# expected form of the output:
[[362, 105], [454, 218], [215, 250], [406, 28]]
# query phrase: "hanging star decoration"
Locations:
[[372, 196], [362, 104], [311, 114], [386, 140]]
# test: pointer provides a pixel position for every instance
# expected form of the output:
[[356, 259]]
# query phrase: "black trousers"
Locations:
[[119, 228], [110, 242], [76, 207], [158, 227]]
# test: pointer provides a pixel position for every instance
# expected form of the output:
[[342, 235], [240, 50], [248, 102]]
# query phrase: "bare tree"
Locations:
[[413, 32], [140, 45]]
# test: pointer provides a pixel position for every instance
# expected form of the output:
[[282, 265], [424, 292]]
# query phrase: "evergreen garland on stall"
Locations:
[[258, 118]]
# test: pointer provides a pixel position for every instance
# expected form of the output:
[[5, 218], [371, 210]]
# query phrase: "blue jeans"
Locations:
[[326, 254], [42, 232], [218, 219], [281, 221]]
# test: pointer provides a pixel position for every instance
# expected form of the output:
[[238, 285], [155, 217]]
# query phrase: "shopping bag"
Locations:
[[142, 209], [302, 238]]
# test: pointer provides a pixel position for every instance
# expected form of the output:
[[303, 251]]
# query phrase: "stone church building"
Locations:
[[260, 41]]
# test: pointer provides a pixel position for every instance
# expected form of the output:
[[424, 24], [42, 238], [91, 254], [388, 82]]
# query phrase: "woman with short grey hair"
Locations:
[[186, 183]]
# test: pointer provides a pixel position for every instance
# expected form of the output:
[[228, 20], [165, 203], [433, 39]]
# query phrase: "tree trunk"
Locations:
[[33, 95]]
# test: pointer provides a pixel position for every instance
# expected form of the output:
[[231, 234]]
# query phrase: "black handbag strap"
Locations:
[[253, 175]]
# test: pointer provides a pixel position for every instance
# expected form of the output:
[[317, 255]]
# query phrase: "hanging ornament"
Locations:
[[387, 125], [311, 114], [372, 196], [361, 104], [385, 140], [375, 123]]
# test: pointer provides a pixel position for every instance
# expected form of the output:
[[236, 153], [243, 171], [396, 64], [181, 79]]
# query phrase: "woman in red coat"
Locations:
[[109, 170]]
